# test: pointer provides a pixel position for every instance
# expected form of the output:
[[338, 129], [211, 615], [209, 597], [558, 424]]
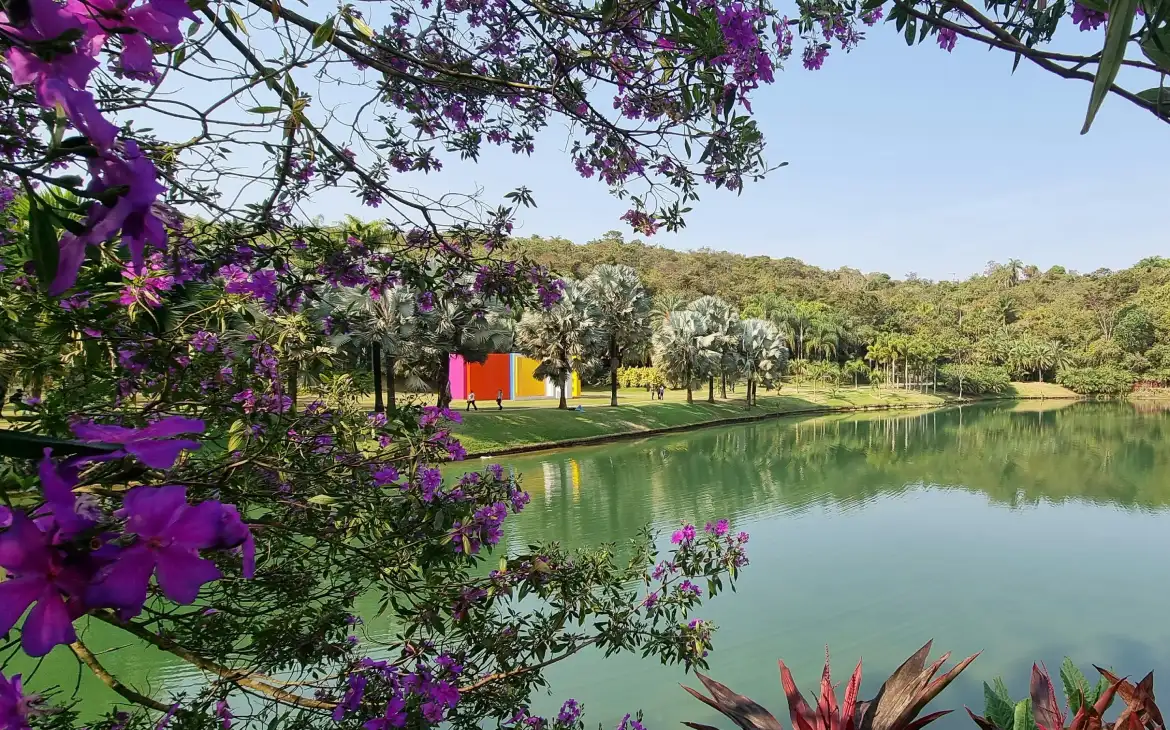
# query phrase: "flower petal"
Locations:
[[23, 547], [123, 583], [181, 574], [102, 432], [199, 526], [160, 454], [47, 625], [171, 426], [15, 596], [149, 511]]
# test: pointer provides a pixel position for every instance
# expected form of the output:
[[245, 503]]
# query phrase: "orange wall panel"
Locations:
[[484, 379]]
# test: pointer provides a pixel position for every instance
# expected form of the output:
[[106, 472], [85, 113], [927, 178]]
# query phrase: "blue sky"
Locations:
[[900, 160]]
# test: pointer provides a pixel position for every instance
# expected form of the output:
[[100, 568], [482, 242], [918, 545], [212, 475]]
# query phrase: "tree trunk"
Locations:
[[687, 375], [711, 390], [906, 373], [1040, 374], [445, 382], [294, 374], [376, 361], [613, 368], [723, 385], [391, 394], [563, 405]]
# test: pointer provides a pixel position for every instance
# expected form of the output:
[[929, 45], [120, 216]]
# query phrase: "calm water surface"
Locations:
[[1029, 531]]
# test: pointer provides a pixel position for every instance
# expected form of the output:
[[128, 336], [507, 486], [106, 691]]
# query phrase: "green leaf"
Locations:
[[1074, 683], [22, 445], [911, 26], [42, 237], [236, 21], [236, 435], [1156, 47], [997, 705], [1101, 6], [1116, 38], [1023, 719], [324, 32], [264, 110], [322, 499], [360, 26]]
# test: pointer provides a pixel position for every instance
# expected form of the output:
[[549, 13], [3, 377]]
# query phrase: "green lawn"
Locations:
[[528, 423]]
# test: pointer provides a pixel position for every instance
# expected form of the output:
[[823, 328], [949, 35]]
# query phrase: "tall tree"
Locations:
[[762, 355], [385, 321], [624, 310], [685, 349], [561, 337], [723, 323]]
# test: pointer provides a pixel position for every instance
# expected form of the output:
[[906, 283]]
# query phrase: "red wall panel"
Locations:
[[484, 379]]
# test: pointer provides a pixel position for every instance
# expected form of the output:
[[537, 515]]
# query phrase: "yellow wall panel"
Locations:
[[526, 385]]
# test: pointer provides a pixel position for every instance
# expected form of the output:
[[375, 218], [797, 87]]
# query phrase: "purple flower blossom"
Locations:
[[629, 723], [1087, 18], [484, 528], [169, 535], [814, 56], [947, 38], [688, 587], [719, 529], [429, 480], [387, 474], [426, 302], [70, 513], [15, 706], [352, 699], [224, 714], [394, 716], [872, 16], [204, 341], [651, 600], [40, 575], [683, 536], [570, 712], [152, 444]]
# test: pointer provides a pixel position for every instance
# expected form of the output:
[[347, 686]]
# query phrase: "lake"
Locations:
[[1030, 531]]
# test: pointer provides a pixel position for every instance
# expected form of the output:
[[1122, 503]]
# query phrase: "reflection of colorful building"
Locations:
[[511, 373]]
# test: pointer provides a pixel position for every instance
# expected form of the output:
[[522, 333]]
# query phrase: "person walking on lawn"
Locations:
[[471, 402], [500, 399]]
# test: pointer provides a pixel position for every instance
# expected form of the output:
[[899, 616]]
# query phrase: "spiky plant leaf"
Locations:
[[1023, 716], [1076, 685], [998, 705]]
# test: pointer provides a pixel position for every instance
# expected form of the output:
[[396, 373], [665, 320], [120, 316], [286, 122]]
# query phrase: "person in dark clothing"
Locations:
[[500, 399], [661, 392], [471, 402]]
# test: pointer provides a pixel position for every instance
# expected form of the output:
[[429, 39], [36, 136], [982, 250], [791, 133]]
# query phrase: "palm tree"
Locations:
[[666, 303], [722, 322], [762, 355], [623, 315], [686, 350], [1049, 356], [385, 321], [560, 337], [856, 368]]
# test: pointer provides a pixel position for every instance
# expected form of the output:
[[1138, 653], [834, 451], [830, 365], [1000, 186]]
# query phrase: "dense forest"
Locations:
[[1102, 331]]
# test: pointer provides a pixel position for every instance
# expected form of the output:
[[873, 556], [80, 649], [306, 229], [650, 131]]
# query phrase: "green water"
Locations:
[[1030, 532]]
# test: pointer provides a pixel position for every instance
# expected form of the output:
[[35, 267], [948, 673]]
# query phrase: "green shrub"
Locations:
[[974, 379], [1104, 380], [640, 377]]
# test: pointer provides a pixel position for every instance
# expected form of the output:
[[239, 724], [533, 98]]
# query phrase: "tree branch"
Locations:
[[86, 657]]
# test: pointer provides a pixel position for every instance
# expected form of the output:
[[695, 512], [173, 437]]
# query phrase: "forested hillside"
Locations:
[[1035, 324]]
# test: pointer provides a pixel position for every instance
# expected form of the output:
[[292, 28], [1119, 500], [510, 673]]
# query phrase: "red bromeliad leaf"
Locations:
[[1045, 708], [926, 720], [849, 707], [1140, 697], [981, 721], [803, 718], [1088, 717], [908, 690], [827, 710], [741, 710]]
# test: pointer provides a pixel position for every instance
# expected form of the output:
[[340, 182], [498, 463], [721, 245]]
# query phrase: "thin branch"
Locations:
[[86, 657]]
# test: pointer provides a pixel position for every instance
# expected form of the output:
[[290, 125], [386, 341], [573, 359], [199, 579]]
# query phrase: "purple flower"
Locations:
[[570, 712], [685, 535], [483, 528], [719, 529], [814, 56], [629, 723], [429, 480], [169, 535], [1087, 18], [204, 341], [133, 214], [651, 600], [426, 301], [152, 444], [386, 475], [947, 38], [69, 512], [224, 714], [39, 574], [394, 716], [352, 699], [872, 16], [15, 706], [688, 587]]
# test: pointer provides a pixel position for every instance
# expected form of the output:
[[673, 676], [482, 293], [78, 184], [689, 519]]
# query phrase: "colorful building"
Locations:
[[511, 373]]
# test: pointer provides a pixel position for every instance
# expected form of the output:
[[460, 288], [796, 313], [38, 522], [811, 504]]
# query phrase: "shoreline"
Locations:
[[752, 418]]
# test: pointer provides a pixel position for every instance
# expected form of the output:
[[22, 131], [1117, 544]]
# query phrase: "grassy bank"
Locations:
[[529, 424]]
